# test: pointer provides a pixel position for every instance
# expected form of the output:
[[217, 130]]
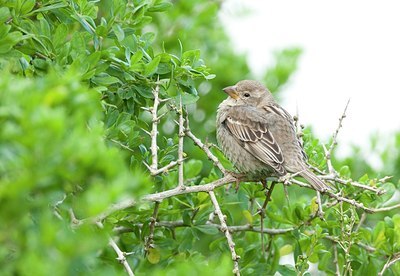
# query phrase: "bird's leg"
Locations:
[[264, 184], [237, 182]]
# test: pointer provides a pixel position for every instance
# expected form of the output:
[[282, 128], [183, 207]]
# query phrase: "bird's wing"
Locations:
[[250, 127], [277, 110]]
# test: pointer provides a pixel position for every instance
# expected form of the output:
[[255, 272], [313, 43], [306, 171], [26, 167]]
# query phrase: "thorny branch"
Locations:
[[225, 230], [121, 255], [390, 261], [180, 189], [154, 129], [181, 135], [232, 228], [149, 240]]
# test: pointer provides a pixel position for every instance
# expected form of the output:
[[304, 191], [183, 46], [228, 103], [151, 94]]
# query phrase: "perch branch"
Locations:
[[192, 189]]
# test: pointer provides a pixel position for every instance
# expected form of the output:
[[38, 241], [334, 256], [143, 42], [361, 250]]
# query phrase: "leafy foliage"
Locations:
[[77, 97]]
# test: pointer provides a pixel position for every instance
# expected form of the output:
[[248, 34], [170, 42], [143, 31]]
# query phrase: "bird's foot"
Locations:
[[237, 176], [285, 179]]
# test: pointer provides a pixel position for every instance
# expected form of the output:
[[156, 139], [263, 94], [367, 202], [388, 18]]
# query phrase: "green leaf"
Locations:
[[345, 171], [119, 32], [160, 7], [60, 35], [151, 67], [396, 227], [210, 76], [27, 6], [378, 235], [207, 229], [9, 41], [4, 29], [286, 249], [4, 15], [154, 255], [144, 91], [248, 216], [104, 79], [193, 168], [287, 270], [186, 99], [136, 57]]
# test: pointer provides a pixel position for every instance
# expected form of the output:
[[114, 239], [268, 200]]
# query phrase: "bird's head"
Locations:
[[249, 92]]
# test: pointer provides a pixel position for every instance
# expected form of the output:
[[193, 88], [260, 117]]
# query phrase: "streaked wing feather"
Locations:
[[259, 141]]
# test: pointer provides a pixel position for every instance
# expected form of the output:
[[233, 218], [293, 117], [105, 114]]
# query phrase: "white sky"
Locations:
[[351, 49]]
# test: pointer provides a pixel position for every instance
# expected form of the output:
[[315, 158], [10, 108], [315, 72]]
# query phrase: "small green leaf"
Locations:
[[60, 35], [247, 215], [193, 168], [186, 99], [207, 229], [136, 57], [160, 7], [286, 249], [119, 32], [104, 79], [378, 235], [4, 14], [345, 171], [151, 67], [27, 6], [154, 256], [287, 270]]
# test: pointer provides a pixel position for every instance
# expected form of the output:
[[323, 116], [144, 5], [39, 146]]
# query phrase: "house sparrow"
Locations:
[[258, 136]]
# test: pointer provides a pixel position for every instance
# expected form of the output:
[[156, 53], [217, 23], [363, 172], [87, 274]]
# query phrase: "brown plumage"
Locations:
[[259, 136]]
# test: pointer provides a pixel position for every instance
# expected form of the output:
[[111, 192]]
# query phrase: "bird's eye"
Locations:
[[246, 95]]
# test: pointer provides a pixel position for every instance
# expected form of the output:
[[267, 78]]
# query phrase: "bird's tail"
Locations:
[[317, 183]]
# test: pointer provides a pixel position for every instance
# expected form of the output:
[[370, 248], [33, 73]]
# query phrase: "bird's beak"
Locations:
[[231, 91]]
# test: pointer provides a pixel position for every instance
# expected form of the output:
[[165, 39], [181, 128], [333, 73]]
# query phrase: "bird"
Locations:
[[259, 137]]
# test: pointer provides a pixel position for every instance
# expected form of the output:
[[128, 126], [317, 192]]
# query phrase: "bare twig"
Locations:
[[360, 223], [385, 209], [113, 208], [121, 255], [336, 260], [334, 177], [163, 169], [181, 134], [328, 152], [390, 261], [122, 145], [359, 244], [150, 239], [225, 230], [331, 169], [232, 229], [335, 134], [206, 150], [154, 130]]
